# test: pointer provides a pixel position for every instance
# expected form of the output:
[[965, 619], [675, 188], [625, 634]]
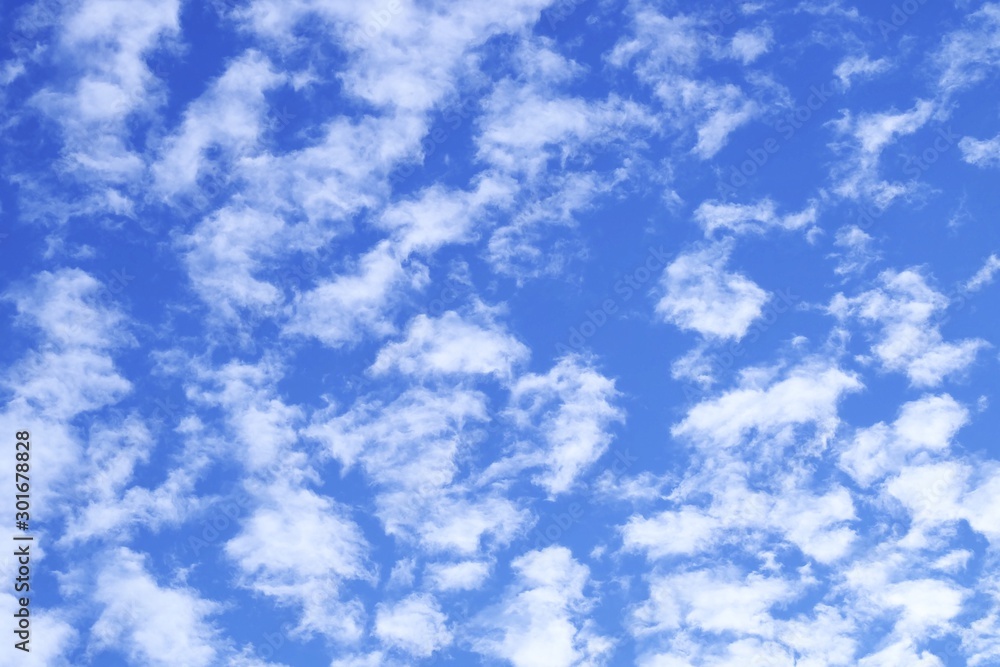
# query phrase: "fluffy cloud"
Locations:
[[984, 276], [981, 152], [569, 411], [714, 602], [857, 252], [858, 176], [413, 449], [451, 345], [299, 547], [666, 52], [907, 309], [415, 625], [466, 575], [700, 295], [109, 41], [78, 331], [860, 67], [928, 424], [370, 466], [156, 625], [750, 218], [769, 411], [538, 623], [229, 117]]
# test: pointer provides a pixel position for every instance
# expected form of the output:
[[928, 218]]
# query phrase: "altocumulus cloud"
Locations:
[[285, 301]]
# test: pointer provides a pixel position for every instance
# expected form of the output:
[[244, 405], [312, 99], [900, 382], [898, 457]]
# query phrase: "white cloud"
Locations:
[[109, 503], [967, 54], [523, 127], [748, 45], [953, 561], [76, 330], [425, 469], [876, 131], [262, 427], [857, 252], [807, 394], [403, 57], [437, 216], [53, 622], [533, 243], [413, 448], [463, 576], [531, 122], [927, 424], [229, 116], [715, 602], [906, 308], [700, 295], [982, 639], [375, 659], [750, 218], [666, 52], [981, 152], [299, 548], [414, 624], [943, 492], [222, 254], [451, 344], [419, 435], [728, 111], [695, 365], [823, 639], [540, 622], [108, 43], [154, 625], [857, 175], [814, 523], [860, 67], [570, 410], [985, 275], [901, 653], [924, 604], [72, 309], [689, 530], [454, 520], [340, 310]]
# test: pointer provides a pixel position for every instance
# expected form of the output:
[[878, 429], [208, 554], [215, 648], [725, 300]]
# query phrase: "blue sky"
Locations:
[[504, 333]]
